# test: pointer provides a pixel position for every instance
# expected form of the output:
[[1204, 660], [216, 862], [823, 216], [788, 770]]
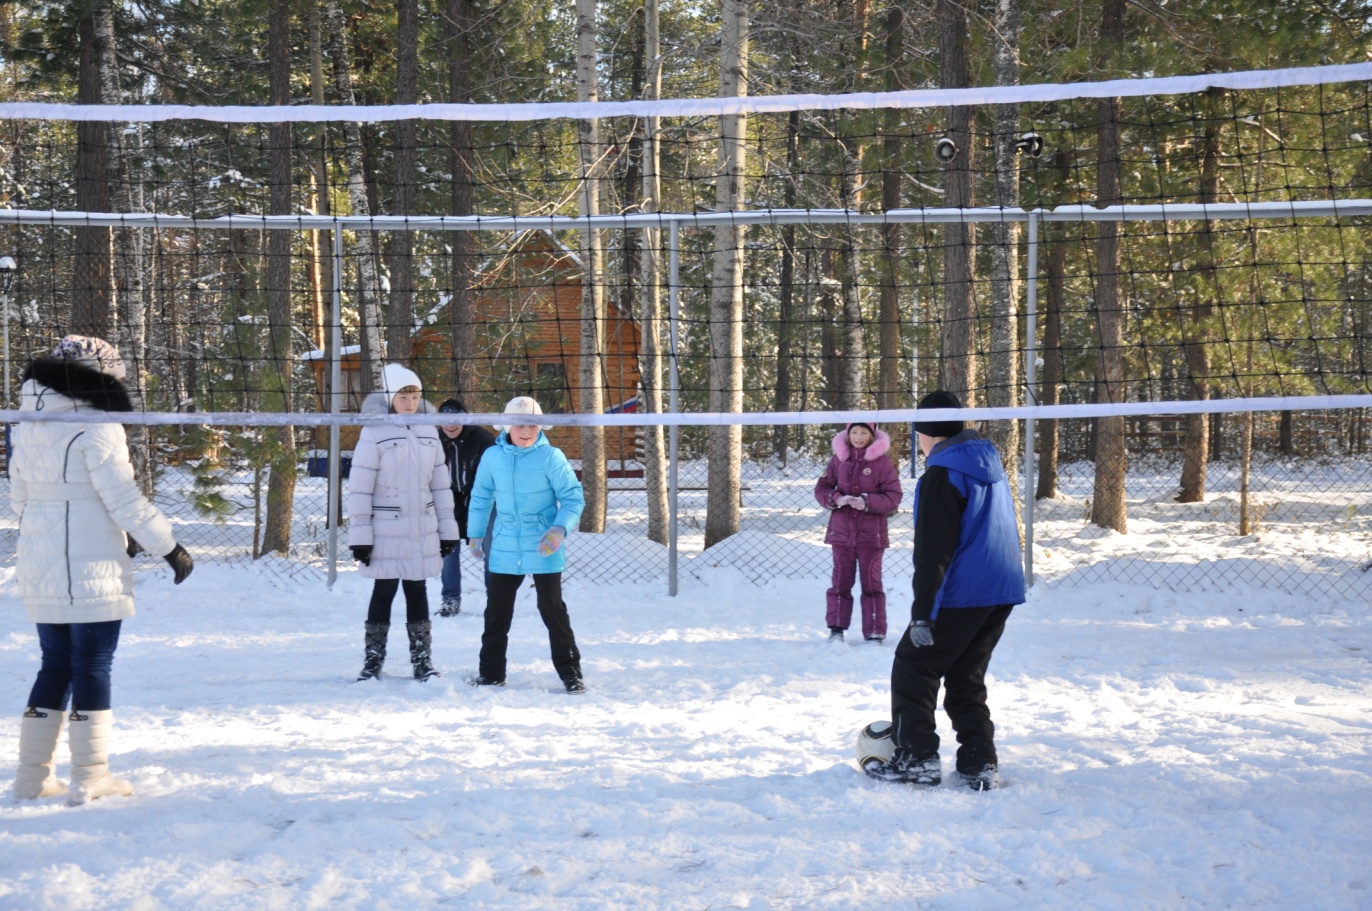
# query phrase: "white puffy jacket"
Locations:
[[73, 489], [400, 499]]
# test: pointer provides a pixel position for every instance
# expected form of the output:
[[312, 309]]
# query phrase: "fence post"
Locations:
[[1031, 287], [335, 398], [673, 298]]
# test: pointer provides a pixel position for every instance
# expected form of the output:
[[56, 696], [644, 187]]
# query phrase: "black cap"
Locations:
[[939, 398], [452, 406]]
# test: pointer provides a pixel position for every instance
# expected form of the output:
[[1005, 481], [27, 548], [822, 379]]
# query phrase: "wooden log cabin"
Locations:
[[527, 340]]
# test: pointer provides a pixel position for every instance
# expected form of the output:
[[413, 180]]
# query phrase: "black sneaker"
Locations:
[[906, 768], [451, 607], [985, 779], [876, 640], [835, 636], [575, 686], [479, 680]]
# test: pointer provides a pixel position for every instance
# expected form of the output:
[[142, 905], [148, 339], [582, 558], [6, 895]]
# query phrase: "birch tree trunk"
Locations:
[[849, 265], [725, 455], [321, 275], [591, 396], [959, 373], [369, 284], [650, 359], [276, 532], [461, 324], [854, 355], [888, 383], [1108, 503], [1002, 381], [400, 312]]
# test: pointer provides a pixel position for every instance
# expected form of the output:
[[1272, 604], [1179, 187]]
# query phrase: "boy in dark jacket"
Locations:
[[969, 574], [463, 447]]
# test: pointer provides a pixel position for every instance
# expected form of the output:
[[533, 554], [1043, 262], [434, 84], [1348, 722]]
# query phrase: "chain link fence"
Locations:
[[1309, 512]]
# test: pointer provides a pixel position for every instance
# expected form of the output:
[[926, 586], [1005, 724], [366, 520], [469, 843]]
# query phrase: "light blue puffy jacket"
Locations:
[[532, 489]]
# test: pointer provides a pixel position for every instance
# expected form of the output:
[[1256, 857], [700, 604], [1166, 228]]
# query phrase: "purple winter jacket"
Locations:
[[868, 473]]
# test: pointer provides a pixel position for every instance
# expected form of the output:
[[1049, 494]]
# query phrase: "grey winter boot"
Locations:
[[89, 733], [375, 653], [421, 644], [38, 735]]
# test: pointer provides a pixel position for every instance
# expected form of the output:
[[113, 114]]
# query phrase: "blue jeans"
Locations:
[[452, 566], [77, 658]]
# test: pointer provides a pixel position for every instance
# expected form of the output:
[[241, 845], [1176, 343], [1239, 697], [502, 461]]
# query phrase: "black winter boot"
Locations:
[[375, 652], [421, 643]]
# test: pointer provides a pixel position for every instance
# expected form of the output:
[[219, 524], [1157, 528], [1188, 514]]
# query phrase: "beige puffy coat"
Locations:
[[400, 498], [73, 489]]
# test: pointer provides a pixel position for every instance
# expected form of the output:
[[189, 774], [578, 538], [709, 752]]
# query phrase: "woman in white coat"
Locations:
[[400, 518], [73, 489]]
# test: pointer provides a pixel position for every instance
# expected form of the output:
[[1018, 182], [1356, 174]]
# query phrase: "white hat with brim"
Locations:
[[520, 404]]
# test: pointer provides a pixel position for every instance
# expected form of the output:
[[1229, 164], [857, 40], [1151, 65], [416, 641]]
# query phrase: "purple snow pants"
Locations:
[[851, 561]]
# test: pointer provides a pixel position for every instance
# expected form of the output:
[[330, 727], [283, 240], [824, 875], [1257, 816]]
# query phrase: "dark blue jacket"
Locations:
[[967, 551]]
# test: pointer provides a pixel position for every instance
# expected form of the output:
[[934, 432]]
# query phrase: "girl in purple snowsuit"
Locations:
[[860, 488]]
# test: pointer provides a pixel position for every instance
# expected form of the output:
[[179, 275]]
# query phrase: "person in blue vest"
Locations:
[[537, 499], [969, 575]]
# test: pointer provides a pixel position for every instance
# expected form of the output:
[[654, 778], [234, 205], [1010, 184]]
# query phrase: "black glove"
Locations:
[[131, 547], [447, 547], [181, 564], [921, 635], [362, 553]]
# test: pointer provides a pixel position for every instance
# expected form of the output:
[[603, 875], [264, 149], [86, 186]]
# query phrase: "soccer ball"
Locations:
[[874, 742]]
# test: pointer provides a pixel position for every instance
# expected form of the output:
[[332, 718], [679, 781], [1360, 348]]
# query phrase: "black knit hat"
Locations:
[[940, 399], [452, 406]]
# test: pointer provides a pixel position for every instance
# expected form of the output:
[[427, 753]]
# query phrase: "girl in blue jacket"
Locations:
[[537, 498]]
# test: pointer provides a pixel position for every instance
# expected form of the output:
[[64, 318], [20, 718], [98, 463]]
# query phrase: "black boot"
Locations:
[[375, 653], [421, 642]]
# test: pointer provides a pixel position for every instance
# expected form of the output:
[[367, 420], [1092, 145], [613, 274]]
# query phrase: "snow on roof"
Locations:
[[321, 355]]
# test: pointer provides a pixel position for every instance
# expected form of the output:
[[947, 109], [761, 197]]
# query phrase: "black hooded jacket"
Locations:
[[463, 455]]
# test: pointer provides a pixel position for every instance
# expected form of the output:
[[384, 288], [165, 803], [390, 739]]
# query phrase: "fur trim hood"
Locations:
[[880, 445], [78, 382]]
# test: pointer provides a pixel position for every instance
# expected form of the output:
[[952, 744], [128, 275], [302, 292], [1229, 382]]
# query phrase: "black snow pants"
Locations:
[[500, 599], [964, 639]]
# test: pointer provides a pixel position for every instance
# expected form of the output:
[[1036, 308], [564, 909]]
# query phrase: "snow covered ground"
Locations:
[[1159, 750]]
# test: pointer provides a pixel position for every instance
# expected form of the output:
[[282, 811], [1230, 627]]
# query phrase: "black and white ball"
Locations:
[[874, 742]]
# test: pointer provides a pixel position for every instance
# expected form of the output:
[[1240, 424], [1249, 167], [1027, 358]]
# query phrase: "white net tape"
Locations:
[[693, 107]]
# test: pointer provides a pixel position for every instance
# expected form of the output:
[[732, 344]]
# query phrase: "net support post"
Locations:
[[673, 398], [335, 402], [1031, 287]]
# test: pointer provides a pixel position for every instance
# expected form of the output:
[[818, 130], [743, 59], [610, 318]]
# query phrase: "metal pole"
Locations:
[[5, 301], [673, 298], [1030, 365], [335, 403]]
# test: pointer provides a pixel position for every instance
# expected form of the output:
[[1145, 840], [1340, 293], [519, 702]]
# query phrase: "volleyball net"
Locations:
[[1198, 303]]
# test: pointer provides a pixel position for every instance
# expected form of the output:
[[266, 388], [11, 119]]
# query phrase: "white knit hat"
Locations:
[[520, 404], [95, 353], [395, 377]]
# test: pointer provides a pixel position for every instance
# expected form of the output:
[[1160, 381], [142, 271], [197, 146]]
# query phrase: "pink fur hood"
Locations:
[[880, 445]]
